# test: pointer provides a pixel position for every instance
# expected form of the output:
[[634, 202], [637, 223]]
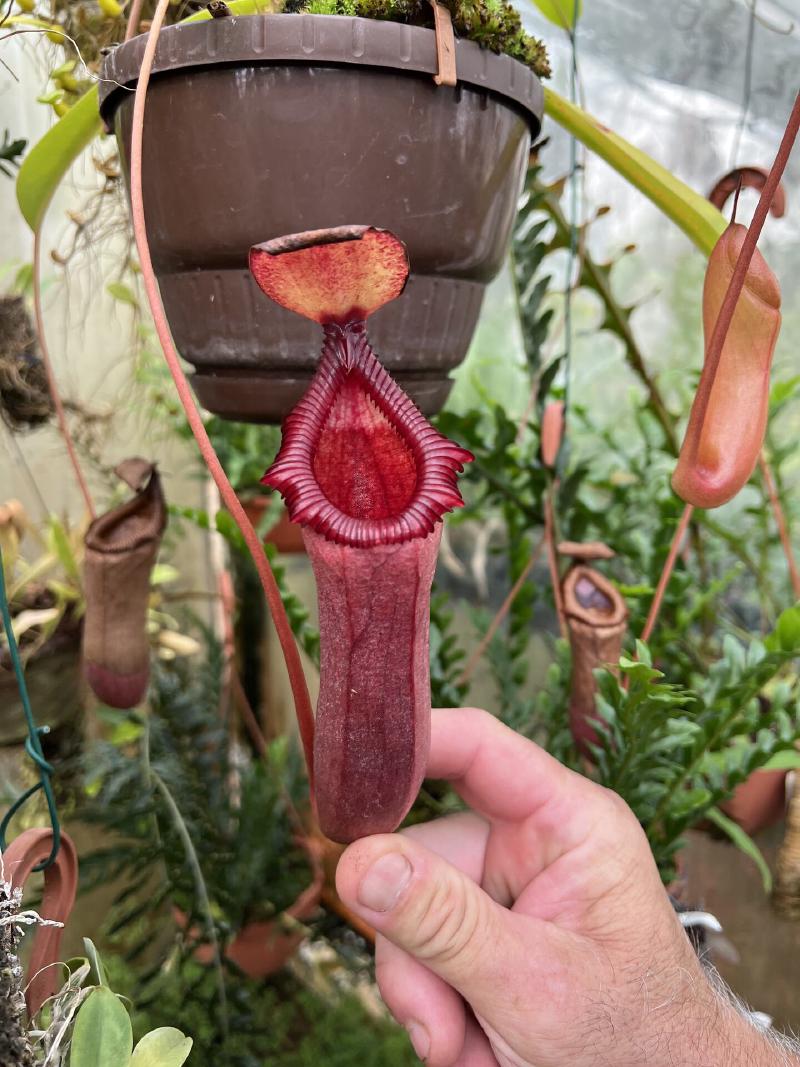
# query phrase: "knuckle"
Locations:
[[619, 809], [450, 923]]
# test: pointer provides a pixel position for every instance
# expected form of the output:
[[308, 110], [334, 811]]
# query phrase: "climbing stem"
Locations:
[[666, 572], [294, 667], [780, 522]]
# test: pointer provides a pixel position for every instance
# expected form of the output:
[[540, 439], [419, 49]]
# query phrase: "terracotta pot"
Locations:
[[260, 949], [285, 535], [266, 125], [758, 802]]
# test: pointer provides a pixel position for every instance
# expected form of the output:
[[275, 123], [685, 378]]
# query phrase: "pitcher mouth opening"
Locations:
[[359, 462]]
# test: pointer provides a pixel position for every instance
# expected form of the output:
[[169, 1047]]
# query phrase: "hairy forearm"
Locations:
[[781, 1051], [741, 1041], [688, 1018], [762, 1048]]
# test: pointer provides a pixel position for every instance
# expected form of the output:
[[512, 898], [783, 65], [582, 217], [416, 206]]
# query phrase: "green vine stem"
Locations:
[[596, 276], [200, 887], [780, 522]]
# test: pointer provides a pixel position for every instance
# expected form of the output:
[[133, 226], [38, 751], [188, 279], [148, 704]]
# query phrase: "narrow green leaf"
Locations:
[[564, 13], [643, 653], [59, 544], [744, 843], [49, 160], [165, 1047], [102, 1036], [788, 760], [23, 279], [98, 970], [689, 210]]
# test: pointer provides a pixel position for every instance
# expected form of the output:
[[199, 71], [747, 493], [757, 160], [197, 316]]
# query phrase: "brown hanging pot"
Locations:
[[121, 548], [264, 125], [597, 618]]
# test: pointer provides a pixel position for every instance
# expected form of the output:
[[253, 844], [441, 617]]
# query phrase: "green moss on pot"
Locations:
[[493, 24]]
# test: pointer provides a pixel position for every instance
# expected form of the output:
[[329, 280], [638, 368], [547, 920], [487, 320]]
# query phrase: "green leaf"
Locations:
[[123, 293], [62, 592], [125, 732], [59, 544], [163, 573], [23, 279], [64, 68], [788, 629], [226, 525], [689, 210], [788, 760], [93, 956], [744, 843], [50, 158], [165, 1047], [783, 391], [635, 590], [564, 13], [689, 802], [102, 1036], [786, 635]]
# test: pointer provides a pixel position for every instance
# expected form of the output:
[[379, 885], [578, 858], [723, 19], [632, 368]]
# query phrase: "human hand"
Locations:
[[534, 930]]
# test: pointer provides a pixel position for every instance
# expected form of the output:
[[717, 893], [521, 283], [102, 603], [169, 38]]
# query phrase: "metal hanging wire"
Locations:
[[33, 744], [747, 86], [570, 281]]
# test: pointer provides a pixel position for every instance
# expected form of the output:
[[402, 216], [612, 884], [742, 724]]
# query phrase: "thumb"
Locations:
[[433, 911]]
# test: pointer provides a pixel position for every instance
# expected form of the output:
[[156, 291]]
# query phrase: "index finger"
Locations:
[[496, 771]]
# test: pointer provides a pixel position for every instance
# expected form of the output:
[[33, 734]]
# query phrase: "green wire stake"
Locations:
[[33, 744]]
